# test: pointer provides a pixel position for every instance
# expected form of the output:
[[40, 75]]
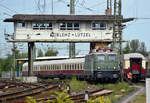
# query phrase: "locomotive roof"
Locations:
[[133, 55], [65, 61], [102, 52]]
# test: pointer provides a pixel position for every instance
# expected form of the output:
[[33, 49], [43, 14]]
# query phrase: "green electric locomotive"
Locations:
[[102, 65]]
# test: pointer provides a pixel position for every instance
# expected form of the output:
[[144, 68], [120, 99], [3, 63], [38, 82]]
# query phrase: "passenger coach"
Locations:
[[101, 65], [134, 66]]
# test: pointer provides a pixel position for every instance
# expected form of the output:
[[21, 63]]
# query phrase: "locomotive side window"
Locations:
[[112, 57], [101, 57]]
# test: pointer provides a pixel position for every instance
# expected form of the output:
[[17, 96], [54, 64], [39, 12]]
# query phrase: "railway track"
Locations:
[[79, 98], [28, 92]]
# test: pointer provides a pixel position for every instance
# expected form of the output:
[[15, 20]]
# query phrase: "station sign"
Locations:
[[65, 36]]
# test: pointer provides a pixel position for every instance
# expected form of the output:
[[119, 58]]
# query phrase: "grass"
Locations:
[[77, 85], [118, 90], [140, 99]]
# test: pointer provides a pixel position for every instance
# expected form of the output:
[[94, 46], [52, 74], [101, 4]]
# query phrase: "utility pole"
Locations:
[[109, 4], [52, 6], [14, 60], [72, 45], [31, 56], [117, 29], [109, 7]]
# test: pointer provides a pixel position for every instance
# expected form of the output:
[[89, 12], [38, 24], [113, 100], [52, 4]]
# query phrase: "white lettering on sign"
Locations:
[[70, 35]]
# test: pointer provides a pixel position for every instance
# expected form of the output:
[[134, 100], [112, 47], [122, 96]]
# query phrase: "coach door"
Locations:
[[136, 66]]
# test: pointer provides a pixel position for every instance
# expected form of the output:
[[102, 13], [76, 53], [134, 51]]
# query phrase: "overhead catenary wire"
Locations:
[[1, 5]]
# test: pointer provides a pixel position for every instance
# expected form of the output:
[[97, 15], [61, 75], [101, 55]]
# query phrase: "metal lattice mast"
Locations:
[[72, 45], [117, 28]]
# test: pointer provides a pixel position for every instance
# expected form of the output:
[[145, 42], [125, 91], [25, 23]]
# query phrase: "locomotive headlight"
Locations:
[[98, 68], [114, 67]]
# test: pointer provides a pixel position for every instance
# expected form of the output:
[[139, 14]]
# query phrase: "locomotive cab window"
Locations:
[[112, 57], [101, 57]]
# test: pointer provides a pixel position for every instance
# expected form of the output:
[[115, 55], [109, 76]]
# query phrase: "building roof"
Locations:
[[33, 17]]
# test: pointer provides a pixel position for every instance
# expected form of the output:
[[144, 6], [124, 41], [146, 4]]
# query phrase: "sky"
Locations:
[[137, 29]]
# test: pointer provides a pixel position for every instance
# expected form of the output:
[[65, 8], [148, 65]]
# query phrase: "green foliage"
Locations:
[[51, 52], [118, 90], [30, 100], [6, 64], [99, 100], [61, 97], [77, 85], [140, 99], [40, 53], [135, 46], [126, 49], [20, 55]]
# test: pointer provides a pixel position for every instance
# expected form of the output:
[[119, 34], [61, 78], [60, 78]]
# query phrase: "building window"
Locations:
[[69, 26], [48, 26], [21, 25], [35, 26], [63, 26], [99, 26], [42, 26], [76, 26]]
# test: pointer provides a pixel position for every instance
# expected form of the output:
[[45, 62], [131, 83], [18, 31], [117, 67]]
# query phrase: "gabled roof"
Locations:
[[33, 17]]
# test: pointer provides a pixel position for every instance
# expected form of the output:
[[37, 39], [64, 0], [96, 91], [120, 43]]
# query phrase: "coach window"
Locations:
[[75, 66], [50, 67], [21, 25]]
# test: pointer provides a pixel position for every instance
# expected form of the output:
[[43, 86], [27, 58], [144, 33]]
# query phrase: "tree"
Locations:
[[142, 49], [134, 46], [51, 52], [40, 53], [7, 63], [126, 49]]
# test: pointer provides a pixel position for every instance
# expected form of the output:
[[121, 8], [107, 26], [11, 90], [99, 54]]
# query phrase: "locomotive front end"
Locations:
[[106, 66]]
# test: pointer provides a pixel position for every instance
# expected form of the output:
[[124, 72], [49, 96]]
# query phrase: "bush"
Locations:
[[99, 100]]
